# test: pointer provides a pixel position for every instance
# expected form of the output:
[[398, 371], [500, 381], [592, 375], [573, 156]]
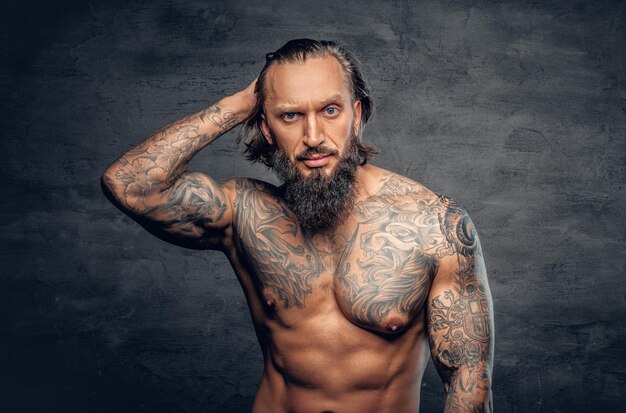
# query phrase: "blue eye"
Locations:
[[289, 116], [331, 111]]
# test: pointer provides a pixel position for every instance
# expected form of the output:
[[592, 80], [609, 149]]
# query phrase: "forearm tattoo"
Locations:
[[222, 119], [460, 324]]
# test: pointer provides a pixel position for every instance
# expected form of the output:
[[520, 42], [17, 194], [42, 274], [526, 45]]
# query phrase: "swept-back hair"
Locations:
[[298, 50]]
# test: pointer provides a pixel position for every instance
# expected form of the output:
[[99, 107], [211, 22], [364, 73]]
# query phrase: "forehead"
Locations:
[[315, 79]]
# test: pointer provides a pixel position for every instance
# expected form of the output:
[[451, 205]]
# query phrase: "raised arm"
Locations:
[[460, 317], [151, 183]]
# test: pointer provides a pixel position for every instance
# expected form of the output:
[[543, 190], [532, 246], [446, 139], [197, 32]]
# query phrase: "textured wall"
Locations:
[[515, 109]]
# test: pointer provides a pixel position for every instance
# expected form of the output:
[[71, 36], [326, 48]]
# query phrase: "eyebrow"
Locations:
[[289, 107]]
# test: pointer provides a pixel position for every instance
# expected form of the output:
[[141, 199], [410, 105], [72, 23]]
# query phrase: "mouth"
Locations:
[[316, 161]]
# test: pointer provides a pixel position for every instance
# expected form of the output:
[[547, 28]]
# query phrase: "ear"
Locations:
[[266, 130], [357, 116]]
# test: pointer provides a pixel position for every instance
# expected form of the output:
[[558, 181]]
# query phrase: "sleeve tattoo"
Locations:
[[150, 182], [460, 317]]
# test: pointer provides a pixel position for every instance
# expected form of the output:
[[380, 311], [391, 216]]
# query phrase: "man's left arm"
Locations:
[[460, 317]]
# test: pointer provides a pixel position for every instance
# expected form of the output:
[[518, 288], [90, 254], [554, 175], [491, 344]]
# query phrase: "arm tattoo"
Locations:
[[214, 115], [194, 202], [283, 259], [460, 322], [156, 163], [458, 228], [150, 181]]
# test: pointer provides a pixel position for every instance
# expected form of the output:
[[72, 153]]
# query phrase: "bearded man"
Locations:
[[351, 272]]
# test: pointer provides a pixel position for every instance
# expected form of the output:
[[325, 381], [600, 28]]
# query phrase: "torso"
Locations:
[[340, 315]]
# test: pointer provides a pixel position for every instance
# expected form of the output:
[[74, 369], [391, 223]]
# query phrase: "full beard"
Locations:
[[319, 201]]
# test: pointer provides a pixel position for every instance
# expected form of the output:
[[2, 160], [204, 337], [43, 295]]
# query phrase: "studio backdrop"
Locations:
[[516, 109]]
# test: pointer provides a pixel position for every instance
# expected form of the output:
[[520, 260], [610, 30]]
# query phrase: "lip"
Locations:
[[317, 162]]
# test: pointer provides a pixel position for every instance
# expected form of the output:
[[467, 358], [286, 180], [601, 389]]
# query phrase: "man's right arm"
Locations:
[[151, 183]]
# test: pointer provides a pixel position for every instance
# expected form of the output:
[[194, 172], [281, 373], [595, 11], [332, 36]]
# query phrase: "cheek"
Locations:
[[287, 141], [342, 132], [280, 135]]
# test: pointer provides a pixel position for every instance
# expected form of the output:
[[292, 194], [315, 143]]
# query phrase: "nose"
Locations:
[[313, 131]]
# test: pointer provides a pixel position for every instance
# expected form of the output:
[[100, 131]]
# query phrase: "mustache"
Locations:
[[318, 150]]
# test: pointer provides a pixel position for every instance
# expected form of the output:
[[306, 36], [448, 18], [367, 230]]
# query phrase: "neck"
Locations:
[[368, 181]]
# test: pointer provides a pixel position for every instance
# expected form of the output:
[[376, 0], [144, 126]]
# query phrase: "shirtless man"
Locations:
[[351, 272]]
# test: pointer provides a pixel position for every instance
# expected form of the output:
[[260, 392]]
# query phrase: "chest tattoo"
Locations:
[[382, 265], [284, 261], [388, 266]]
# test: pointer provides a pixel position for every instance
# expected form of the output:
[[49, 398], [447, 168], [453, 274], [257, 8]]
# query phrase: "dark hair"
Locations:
[[257, 147]]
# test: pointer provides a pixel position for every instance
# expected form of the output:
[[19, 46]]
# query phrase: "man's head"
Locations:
[[313, 105], [300, 52]]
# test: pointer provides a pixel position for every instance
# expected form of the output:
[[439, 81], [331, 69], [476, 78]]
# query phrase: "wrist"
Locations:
[[243, 105]]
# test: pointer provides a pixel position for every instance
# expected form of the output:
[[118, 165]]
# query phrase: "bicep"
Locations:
[[460, 315], [194, 212]]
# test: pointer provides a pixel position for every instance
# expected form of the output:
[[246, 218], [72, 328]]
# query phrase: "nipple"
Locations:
[[394, 325], [270, 302]]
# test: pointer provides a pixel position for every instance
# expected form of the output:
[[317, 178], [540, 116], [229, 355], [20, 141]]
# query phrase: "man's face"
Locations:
[[309, 116], [309, 113]]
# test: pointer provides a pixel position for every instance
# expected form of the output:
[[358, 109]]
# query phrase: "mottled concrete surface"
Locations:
[[515, 109]]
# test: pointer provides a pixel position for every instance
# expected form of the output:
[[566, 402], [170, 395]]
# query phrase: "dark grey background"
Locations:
[[515, 109]]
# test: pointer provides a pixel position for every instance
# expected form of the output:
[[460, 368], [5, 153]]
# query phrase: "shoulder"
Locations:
[[400, 191], [239, 186], [254, 199], [457, 227], [451, 227], [247, 192]]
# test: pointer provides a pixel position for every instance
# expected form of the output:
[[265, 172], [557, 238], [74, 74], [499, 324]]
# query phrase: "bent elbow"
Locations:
[[111, 186], [107, 180]]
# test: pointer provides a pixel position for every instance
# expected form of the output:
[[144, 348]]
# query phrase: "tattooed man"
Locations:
[[351, 272]]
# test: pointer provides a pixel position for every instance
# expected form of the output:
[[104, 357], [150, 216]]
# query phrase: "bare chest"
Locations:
[[377, 268]]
